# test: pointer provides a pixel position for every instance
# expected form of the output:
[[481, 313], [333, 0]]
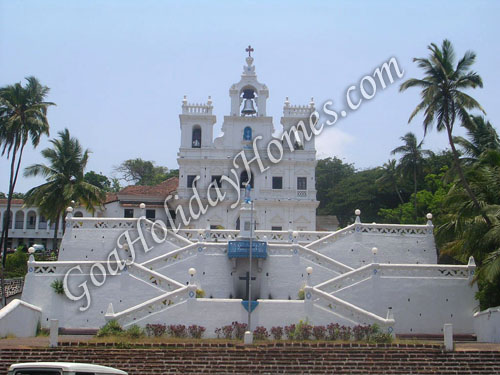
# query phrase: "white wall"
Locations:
[[487, 325], [19, 318]]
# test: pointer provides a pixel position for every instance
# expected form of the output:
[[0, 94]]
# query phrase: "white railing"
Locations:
[[433, 271], [202, 109], [395, 229], [154, 278], [173, 256], [311, 255], [145, 309], [101, 223], [224, 235], [331, 237], [347, 310], [297, 110]]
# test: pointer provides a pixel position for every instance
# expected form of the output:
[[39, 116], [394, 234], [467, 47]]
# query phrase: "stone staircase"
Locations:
[[272, 358]]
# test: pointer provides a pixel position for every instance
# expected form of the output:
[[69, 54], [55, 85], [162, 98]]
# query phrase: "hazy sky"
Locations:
[[118, 69]]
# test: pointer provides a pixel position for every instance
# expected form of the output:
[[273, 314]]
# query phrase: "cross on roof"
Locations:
[[249, 50]]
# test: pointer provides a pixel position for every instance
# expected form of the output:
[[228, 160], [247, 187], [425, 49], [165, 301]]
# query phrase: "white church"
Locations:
[[131, 269], [285, 193]]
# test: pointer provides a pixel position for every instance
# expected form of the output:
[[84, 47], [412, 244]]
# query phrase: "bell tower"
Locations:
[[248, 97]]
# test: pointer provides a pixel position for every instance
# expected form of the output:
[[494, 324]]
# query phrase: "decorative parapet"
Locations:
[[12, 287], [433, 271], [298, 110], [197, 108]]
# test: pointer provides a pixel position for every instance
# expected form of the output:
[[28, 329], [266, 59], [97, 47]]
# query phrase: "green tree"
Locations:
[[443, 99], [23, 117], [482, 137], [412, 161], [98, 179], [329, 172], [391, 177], [65, 180], [142, 172]]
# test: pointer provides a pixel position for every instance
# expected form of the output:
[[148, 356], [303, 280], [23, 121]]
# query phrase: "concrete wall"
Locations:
[[487, 325], [19, 318]]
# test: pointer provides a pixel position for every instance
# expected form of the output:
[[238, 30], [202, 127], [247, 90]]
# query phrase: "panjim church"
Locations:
[[135, 271]]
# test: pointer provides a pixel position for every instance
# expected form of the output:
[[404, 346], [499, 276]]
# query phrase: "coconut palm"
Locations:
[[65, 180], [482, 137], [412, 161], [23, 117], [443, 99], [391, 177]]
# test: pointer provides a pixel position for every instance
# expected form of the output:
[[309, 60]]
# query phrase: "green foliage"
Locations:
[[144, 172], [111, 328], [64, 179], [301, 294], [58, 286], [99, 180], [134, 332], [16, 264], [41, 331], [200, 293]]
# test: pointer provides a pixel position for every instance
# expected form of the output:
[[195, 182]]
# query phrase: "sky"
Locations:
[[118, 69]]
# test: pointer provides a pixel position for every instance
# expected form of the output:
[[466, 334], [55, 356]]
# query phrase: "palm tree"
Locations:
[[23, 117], [391, 177], [412, 161], [443, 100], [65, 180], [483, 137]]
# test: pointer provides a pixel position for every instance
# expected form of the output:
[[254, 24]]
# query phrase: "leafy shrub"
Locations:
[[41, 331], [260, 333], [277, 332], [196, 332], [319, 332], [345, 333], [360, 332], [156, 330], [333, 331], [58, 286], [177, 330], [111, 328], [218, 332], [134, 332], [239, 330], [301, 294], [376, 335], [16, 264], [290, 331], [303, 331], [227, 332], [200, 293]]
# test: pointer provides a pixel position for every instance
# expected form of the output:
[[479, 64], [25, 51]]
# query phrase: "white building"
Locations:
[[285, 194]]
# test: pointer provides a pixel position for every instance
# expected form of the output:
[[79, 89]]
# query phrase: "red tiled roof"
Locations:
[[13, 201], [160, 190], [110, 197]]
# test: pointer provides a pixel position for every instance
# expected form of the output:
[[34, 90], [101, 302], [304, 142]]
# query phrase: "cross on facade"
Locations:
[[249, 50], [247, 279]]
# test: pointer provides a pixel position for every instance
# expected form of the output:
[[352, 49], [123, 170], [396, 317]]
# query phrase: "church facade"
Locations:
[[284, 195]]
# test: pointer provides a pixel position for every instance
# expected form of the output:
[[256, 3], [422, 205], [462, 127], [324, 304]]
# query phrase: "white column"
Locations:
[[25, 220], [37, 221]]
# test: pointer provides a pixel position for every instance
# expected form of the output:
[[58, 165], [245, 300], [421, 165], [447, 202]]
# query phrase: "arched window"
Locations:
[[196, 137], [247, 134], [78, 214], [244, 179]]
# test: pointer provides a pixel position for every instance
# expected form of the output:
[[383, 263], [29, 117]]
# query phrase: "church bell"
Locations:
[[248, 104]]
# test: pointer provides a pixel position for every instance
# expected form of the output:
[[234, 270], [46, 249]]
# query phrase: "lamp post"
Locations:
[[309, 271], [192, 272]]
